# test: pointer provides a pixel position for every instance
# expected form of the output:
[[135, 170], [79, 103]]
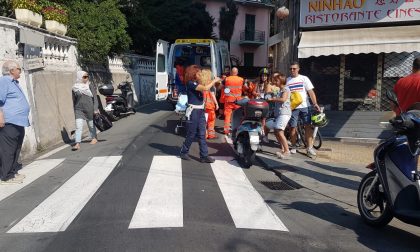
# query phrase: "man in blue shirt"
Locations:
[[14, 112]]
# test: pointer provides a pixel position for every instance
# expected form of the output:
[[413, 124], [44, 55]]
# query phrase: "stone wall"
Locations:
[[48, 88]]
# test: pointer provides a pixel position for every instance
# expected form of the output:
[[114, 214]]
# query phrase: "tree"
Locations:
[[150, 20], [227, 21], [99, 29], [6, 8]]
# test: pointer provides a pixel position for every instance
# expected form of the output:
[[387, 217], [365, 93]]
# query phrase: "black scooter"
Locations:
[[118, 105], [392, 188]]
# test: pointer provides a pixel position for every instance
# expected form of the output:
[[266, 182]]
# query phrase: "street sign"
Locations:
[[35, 63], [32, 57]]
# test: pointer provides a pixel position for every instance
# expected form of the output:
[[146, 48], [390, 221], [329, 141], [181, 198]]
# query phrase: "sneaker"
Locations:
[[265, 139], [185, 156], [19, 176], [207, 160], [11, 181], [311, 152], [284, 156], [293, 150]]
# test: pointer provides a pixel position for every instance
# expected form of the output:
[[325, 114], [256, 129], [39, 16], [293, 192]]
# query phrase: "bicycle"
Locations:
[[301, 139]]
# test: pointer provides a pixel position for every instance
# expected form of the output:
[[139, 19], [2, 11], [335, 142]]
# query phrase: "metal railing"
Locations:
[[252, 36]]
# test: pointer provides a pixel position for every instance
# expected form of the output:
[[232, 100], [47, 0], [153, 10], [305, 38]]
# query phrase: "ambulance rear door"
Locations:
[[162, 70]]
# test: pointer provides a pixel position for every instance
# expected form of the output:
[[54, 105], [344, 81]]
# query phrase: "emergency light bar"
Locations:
[[193, 41]]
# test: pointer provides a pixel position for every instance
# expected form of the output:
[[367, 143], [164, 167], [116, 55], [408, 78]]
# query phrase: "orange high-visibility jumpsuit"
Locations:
[[210, 109], [234, 83]]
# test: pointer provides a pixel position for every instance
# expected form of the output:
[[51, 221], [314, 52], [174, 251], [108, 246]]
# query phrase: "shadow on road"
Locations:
[[386, 239], [339, 170]]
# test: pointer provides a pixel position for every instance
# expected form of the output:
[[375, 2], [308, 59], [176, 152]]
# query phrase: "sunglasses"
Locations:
[[293, 68], [85, 77]]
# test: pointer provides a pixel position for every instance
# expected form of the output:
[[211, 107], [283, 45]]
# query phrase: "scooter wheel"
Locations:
[[113, 116], [373, 206]]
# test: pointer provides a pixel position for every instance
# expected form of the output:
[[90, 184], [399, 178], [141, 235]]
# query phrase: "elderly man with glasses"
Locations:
[[14, 113]]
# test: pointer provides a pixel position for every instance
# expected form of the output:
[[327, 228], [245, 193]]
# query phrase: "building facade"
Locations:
[[352, 50], [249, 43]]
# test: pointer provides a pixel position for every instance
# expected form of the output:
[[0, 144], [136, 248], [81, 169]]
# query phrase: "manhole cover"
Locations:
[[277, 185]]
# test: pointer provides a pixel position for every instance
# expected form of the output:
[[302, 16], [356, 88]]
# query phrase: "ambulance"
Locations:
[[206, 53]]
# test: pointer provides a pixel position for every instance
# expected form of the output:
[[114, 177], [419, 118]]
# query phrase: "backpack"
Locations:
[[295, 100]]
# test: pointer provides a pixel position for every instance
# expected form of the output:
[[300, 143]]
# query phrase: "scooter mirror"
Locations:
[[385, 125], [392, 96]]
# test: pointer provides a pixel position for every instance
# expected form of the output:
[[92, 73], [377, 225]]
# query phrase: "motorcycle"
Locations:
[[392, 188], [118, 105], [247, 128]]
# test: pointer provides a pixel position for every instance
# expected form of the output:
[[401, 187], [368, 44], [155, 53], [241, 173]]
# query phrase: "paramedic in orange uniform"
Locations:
[[210, 102], [232, 92], [250, 89]]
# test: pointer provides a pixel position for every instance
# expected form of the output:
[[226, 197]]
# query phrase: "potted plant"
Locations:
[[56, 17], [28, 12]]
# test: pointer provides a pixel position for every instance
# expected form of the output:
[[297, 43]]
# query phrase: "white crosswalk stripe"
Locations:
[[32, 172], [245, 204], [160, 203], [57, 212]]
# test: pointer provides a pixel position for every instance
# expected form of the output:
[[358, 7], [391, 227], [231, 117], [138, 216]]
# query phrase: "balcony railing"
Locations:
[[268, 3], [254, 37]]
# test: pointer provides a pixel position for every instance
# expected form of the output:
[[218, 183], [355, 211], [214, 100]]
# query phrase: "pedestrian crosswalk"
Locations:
[[159, 205]]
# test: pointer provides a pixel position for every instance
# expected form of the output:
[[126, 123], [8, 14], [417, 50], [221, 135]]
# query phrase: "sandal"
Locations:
[[75, 147]]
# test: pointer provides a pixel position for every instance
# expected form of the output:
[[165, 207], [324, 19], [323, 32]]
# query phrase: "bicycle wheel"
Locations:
[[301, 140], [318, 140]]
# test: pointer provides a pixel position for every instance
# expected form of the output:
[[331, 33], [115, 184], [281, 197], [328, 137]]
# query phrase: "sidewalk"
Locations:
[[335, 173]]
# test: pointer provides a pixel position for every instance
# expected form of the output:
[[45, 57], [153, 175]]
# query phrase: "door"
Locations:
[[161, 70], [249, 59], [250, 27], [214, 60], [224, 55], [360, 82]]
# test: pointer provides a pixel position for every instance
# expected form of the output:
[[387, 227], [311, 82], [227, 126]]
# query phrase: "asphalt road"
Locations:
[[131, 192]]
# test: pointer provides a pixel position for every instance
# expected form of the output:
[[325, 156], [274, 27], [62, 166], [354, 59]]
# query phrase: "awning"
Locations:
[[364, 40]]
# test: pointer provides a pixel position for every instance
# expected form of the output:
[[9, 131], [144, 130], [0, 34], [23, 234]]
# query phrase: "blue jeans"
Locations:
[[79, 129], [196, 127]]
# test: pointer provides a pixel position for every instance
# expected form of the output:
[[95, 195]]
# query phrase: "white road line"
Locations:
[[245, 204], [53, 152], [32, 172], [160, 203], [57, 212]]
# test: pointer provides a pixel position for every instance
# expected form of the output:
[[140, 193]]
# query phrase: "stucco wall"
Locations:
[[53, 115], [48, 89], [262, 23]]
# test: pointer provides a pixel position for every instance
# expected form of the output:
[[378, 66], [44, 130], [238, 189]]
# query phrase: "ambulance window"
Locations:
[[205, 61], [161, 63]]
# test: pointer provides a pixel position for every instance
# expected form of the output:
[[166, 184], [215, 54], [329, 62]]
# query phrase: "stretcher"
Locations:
[[180, 110]]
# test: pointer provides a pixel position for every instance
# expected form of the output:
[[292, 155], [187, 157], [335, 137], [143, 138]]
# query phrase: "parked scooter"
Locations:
[[247, 128], [118, 105], [392, 188]]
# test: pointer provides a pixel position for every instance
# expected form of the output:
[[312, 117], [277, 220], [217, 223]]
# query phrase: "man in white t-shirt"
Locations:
[[302, 84]]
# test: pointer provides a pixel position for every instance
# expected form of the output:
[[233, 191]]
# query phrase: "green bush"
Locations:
[[54, 11], [31, 5], [100, 30]]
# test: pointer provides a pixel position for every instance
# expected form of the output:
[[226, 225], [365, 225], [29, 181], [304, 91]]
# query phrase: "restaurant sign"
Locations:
[[315, 13]]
